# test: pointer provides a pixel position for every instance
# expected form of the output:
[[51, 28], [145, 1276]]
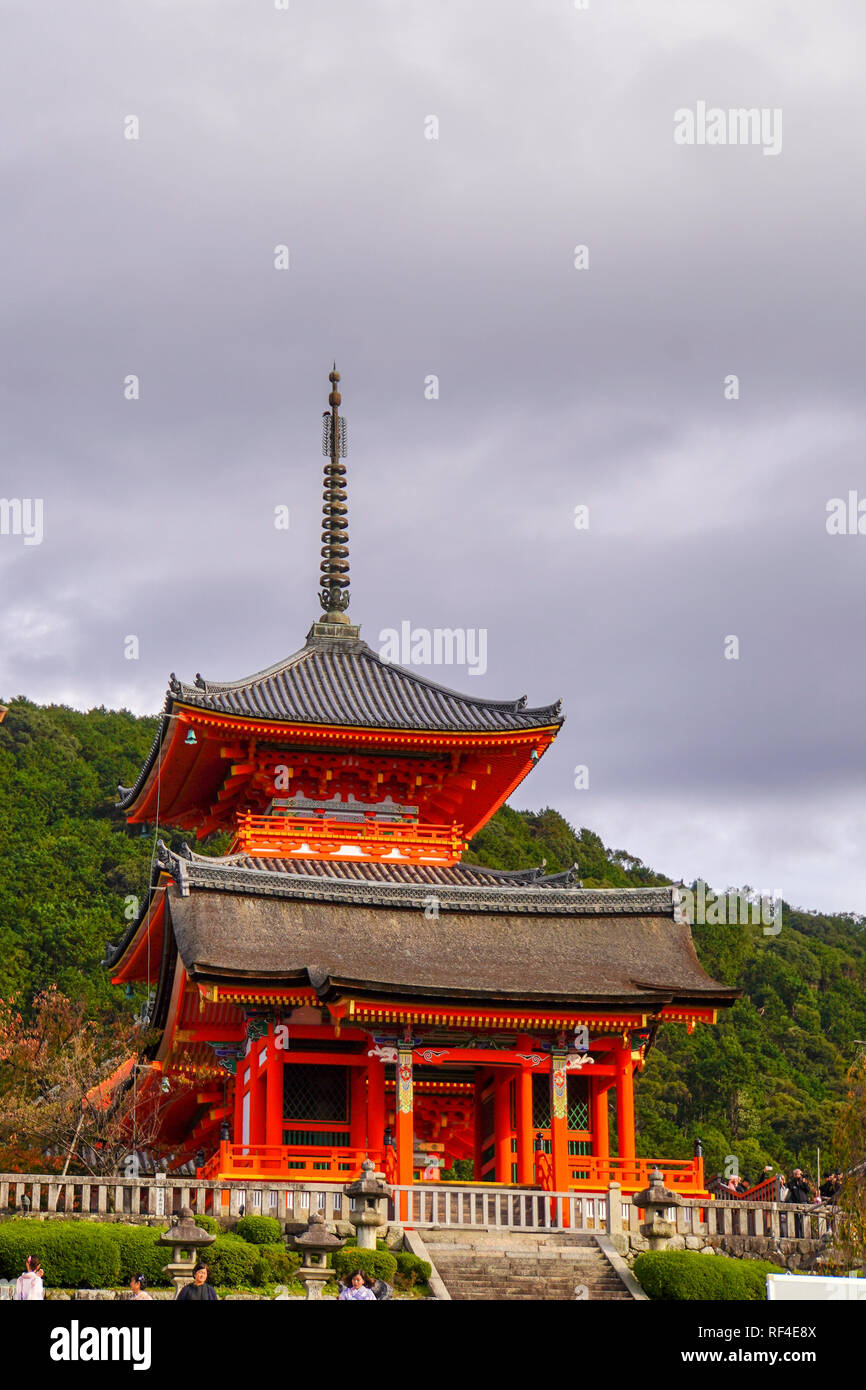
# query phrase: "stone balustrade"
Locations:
[[143, 1199]]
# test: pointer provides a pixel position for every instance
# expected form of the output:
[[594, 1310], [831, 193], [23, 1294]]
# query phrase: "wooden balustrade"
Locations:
[[447, 1204]]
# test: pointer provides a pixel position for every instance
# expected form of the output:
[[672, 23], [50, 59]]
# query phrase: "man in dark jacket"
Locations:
[[799, 1191], [199, 1291], [832, 1187]]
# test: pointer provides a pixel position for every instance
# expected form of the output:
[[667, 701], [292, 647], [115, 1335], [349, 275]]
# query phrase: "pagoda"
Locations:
[[341, 984]]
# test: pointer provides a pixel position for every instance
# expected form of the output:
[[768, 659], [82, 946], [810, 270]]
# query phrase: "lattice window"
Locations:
[[578, 1102], [318, 1094], [541, 1102]]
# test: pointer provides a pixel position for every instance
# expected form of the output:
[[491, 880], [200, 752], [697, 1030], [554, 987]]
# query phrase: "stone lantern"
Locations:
[[369, 1196], [186, 1240], [655, 1200], [315, 1244]]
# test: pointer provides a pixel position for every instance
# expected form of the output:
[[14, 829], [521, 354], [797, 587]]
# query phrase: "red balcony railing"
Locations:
[[301, 837], [589, 1174], [295, 1162]]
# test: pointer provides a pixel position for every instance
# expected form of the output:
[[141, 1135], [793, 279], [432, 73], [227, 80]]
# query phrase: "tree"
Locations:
[[75, 1094], [850, 1242]]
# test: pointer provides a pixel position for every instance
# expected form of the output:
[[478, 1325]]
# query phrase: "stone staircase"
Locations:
[[485, 1263]]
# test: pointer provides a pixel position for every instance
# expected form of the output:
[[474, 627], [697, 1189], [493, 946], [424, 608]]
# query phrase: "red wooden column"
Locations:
[[258, 1095], [600, 1125], [559, 1121], [525, 1132], [274, 1091], [624, 1101], [358, 1108], [481, 1079], [502, 1124], [375, 1103], [405, 1117]]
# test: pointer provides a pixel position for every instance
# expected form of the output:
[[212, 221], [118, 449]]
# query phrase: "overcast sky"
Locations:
[[409, 257]]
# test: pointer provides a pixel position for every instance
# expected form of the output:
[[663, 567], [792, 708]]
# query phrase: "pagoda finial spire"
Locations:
[[334, 577]]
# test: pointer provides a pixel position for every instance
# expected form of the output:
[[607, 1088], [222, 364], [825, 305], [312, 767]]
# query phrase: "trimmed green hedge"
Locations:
[[232, 1262], [209, 1224], [74, 1254], [139, 1253], [684, 1274], [99, 1255], [411, 1269], [379, 1264], [277, 1265], [259, 1230]]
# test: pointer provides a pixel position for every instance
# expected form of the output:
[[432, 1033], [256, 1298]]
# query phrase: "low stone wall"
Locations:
[[741, 1230], [788, 1254]]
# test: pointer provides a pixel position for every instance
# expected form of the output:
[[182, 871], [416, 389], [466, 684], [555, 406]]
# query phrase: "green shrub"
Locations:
[[379, 1264], [209, 1224], [139, 1253], [231, 1261], [259, 1230], [683, 1274], [277, 1265], [74, 1254], [411, 1270]]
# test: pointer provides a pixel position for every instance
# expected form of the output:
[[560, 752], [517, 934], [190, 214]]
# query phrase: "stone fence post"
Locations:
[[614, 1218]]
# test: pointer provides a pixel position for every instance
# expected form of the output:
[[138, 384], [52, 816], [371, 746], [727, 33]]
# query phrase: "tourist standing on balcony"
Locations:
[[799, 1191], [30, 1282]]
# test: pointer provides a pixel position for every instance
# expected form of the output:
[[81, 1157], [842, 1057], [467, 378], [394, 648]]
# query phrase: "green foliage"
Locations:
[[259, 1230], [411, 1270], [232, 1262], [209, 1224], [682, 1274], [522, 839], [139, 1253], [379, 1264], [277, 1265], [74, 1254], [68, 862], [461, 1170]]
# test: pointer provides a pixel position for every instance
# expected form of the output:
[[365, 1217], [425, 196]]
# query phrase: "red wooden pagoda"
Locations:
[[341, 984]]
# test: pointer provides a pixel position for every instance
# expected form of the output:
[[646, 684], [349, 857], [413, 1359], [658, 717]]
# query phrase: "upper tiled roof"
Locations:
[[456, 888], [343, 681]]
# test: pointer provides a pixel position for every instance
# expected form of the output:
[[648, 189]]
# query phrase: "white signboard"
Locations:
[[817, 1287]]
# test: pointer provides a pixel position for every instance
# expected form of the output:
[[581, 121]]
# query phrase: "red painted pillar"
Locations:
[[375, 1103], [274, 1091], [502, 1124], [559, 1122], [600, 1122], [238, 1109], [258, 1094], [405, 1117], [625, 1104], [358, 1109], [481, 1079], [525, 1131]]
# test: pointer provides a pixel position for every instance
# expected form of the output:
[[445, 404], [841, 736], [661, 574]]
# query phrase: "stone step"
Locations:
[[530, 1284], [485, 1235], [500, 1265], [566, 1253], [499, 1296], [538, 1268]]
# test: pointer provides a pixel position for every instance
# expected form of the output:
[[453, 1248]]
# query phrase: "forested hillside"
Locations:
[[764, 1084]]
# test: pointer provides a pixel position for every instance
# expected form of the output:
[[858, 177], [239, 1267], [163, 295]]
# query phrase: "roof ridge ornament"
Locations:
[[334, 578]]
